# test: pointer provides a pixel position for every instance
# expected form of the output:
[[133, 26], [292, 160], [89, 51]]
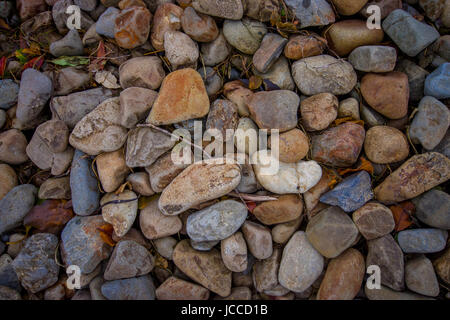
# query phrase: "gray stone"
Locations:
[[216, 51], [436, 84], [106, 22], [8, 276], [216, 222], [9, 92], [86, 5], [213, 82], [15, 206], [420, 277], [259, 239], [60, 16], [140, 288], [7, 293], [180, 50], [371, 117], [279, 74], [70, 79], [245, 35], [70, 45], [135, 104], [422, 240], [165, 246], [265, 272], [312, 12], [373, 58], [416, 78], [271, 47], [228, 9]]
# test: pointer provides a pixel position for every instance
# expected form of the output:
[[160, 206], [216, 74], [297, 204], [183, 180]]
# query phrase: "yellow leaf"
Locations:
[[160, 262], [145, 200], [365, 165], [33, 50], [255, 82]]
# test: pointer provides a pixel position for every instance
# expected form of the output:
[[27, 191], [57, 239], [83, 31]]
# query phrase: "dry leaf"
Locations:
[[145, 200], [402, 215], [348, 119], [255, 82], [251, 205], [365, 165], [106, 231], [160, 262]]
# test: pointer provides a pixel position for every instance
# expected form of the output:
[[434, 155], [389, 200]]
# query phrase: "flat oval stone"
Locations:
[[216, 222], [293, 146], [304, 46], [140, 288], [15, 205], [385, 144], [373, 220], [433, 208], [120, 215], [420, 276], [227, 9], [287, 208], [319, 111], [155, 225], [178, 289], [143, 72], [13, 144], [234, 252], [373, 58], [259, 239], [422, 240], [245, 35], [199, 27]]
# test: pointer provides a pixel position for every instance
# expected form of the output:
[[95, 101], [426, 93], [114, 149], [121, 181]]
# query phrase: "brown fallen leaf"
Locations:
[[106, 231], [365, 165], [347, 119], [402, 215], [255, 82]]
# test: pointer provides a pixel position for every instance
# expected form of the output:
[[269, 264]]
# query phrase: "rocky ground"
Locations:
[[87, 177]]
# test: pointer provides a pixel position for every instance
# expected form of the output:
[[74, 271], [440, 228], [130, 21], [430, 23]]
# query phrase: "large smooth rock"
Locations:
[[140, 288], [373, 220], [120, 215], [312, 13], [422, 240], [155, 225], [143, 72], [436, 84], [433, 208], [70, 45], [259, 240], [227, 9], [178, 289], [385, 144], [420, 276], [106, 22], [245, 35], [216, 51], [234, 252], [15, 206]]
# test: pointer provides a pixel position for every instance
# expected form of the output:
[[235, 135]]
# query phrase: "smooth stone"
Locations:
[[245, 35], [86, 5], [385, 144], [223, 116], [60, 17], [106, 22], [165, 246], [416, 78], [8, 178], [91, 37], [206, 268], [304, 46], [140, 183], [213, 81], [293, 146], [188, 188], [261, 9], [248, 183], [178, 289], [85, 193], [35, 265], [285, 209], [144, 72], [199, 27], [180, 50], [300, 264], [29, 8], [238, 293], [409, 34], [433, 208], [387, 255], [216, 51], [279, 74], [374, 220], [236, 92], [265, 272], [420, 277], [95, 288], [163, 171], [442, 266], [9, 93], [112, 169], [312, 13], [167, 18], [132, 27], [319, 111], [422, 240], [82, 245], [344, 277], [349, 7], [373, 58], [55, 134], [8, 277], [120, 215], [234, 252], [140, 288], [15, 205], [227, 9], [70, 45], [323, 73], [203, 245], [49, 217], [282, 232], [216, 222], [259, 239], [349, 108], [436, 84], [418, 174], [269, 51], [155, 225], [13, 145]]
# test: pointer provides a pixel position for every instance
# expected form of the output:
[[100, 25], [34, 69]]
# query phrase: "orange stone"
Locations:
[[300, 46], [132, 27]]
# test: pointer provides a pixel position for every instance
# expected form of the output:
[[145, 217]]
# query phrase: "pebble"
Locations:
[[155, 225], [236, 92], [323, 73], [83, 184], [312, 13], [35, 265], [9, 92], [15, 205], [128, 260], [184, 91], [8, 178], [387, 93], [349, 108], [293, 146], [420, 276], [167, 18], [49, 217], [234, 252], [319, 111], [409, 34], [120, 215], [7, 293], [206, 268], [86, 5], [261, 10], [300, 264], [70, 45], [223, 116], [374, 220], [373, 58], [302, 46], [418, 174], [180, 50], [216, 51], [143, 72], [199, 27], [283, 231], [387, 255], [385, 144], [416, 78], [245, 35], [60, 17], [139, 288], [91, 37], [344, 277], [112, 169], [259, 239], [279, 74], [213, 81], [82, 245], [163, 171], [371, 117], [433, 208], [140, 183], [105, 24], [248, 183], [285, 209], [227, 9], [55, 293], [69, 79], [203, 245], [132, 27], [422, 240], [8, 276], [442, 266], [265, 272], [271, 47], [13, 147], [55, 135], [216, 222], [274, 109], [436, 84], [177, 289], [29, 8], [349, 7], [17, 244]]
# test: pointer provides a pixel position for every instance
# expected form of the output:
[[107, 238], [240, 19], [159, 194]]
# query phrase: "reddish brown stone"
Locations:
[[300, 46], [50, 216], [132, 27], [198, 26], [167, 18], [319, 111], [287, 208]]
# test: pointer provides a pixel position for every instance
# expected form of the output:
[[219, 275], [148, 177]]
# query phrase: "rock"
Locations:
[[86, 5], [163, 171], [319, 111], [432, 208], [418, 174], [373, 58], [182, 97], [144, 72], [274, 109], [180, 50], [339, 146], [106, 22], [371, 117], [177, 289], [199, 27], [223, 116], [206, 268], [60, 17], [13, 147], [312, 13], [282, 232], [8, 277], [35, 265], [203, 245], [279, 177], [261, 9], [85, 193], [374, 220], [167, 18], [49, 217], [293, 146], [420, 276], [385, 144], [140, 183], [8, 178], [387, 93], [82, 245], [385, 293], [15, 205], [30, 8], [213, 81], [120, 215], [9, 92], [216, 51], [348, 7], [279, 74], [259, 240], [286, 208], [72, 108], [442, 266], [91, 37], [302, 46], [112, 169], [234, 252], [409, 34], [344, 276], [95, 288], [17, 244], [387, 255], [349, 108], [188, 188], [300, 264], [56, 292], [248, 183], [132, 27], [323, 73], [270, 49], [422, 240], [227, 9], [164, 246], [237, 293], [128, 260], [240, 95], [55, 135], [100, 130], [436, 82], [245, 35], [140, 288], [155, 225], [70, 45], [416, 78], [35, 90], [433, 8], [265, 272]]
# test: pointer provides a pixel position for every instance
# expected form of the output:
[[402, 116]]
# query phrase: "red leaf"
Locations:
[[251, 205], [2, 66], [402, 215], [35, 63]]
